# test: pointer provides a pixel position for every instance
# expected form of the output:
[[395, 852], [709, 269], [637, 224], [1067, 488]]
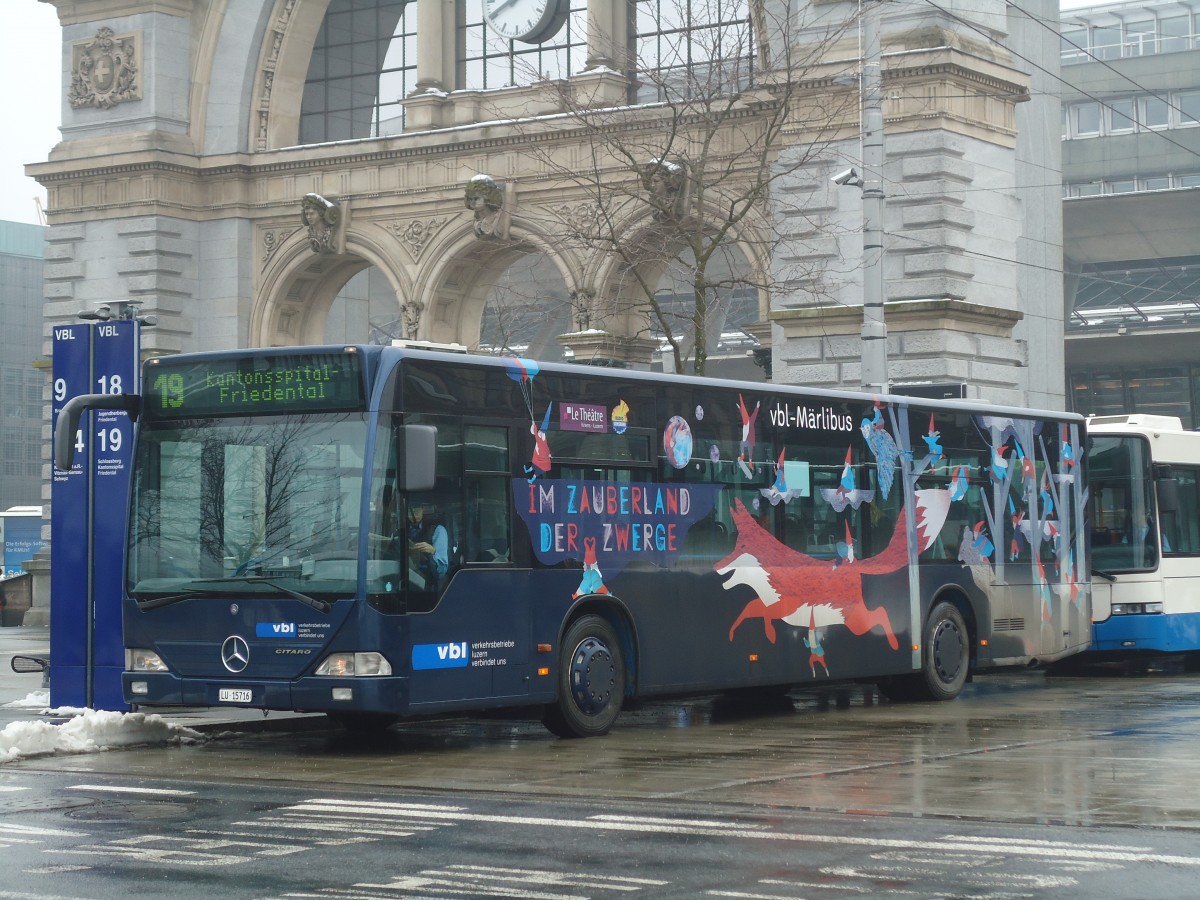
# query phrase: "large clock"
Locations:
[[528, 21]]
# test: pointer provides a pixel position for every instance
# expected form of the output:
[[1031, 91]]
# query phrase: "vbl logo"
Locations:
[[453, 655], [275, 630]]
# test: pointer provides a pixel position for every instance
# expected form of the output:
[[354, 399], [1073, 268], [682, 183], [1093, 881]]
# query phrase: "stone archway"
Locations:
[[299, 287], [662, 266], [457, 287]]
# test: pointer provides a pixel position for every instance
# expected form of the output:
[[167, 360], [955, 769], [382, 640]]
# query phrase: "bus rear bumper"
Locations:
[[376, 695], [1161, 633]]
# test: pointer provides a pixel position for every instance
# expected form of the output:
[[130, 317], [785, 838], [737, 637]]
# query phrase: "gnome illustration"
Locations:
[[592, 581]]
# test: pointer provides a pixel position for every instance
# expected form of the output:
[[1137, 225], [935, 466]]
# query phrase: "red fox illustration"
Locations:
[[800, 590]]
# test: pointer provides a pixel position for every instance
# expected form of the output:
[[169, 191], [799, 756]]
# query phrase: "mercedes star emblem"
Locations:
[[235, 653]]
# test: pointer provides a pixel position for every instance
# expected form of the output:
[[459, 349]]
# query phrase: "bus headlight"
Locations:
[[1133, 609], [354, 665], [139, 660]]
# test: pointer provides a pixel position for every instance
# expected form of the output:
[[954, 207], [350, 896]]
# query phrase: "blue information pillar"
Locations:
[[88, 517], [69, 492]]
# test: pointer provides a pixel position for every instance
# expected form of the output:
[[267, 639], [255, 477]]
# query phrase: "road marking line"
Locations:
[[159, 792], [698, 823], [10, 829], [543, 876], [1017, 847], [1034, 841]]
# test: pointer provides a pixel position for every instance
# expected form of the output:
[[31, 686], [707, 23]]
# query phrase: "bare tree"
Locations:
[[683, 184]]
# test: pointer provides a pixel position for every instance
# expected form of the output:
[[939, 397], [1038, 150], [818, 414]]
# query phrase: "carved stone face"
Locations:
[[311, 214]]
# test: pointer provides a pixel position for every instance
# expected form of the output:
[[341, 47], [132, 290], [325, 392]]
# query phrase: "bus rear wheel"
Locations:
[[945, 660], [591, 680]]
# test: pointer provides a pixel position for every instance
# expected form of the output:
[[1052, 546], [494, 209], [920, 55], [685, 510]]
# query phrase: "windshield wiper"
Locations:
[[1105, 575], [167, 600], [319, 605]]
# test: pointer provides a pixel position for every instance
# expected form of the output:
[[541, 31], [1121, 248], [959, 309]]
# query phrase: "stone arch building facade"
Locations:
[[184, 181]]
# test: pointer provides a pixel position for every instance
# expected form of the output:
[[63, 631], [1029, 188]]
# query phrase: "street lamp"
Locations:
[[874, 330]]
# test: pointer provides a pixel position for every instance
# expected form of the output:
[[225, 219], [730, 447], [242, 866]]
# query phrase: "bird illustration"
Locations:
[[1066, 456], [883, 448], [999, 467], [778, 492], [933, 506], [1046, 496], [976, 547], [1018, 518], [1028, 474], [846, 494], [932, 442], [845, 549], [745, 458], [816, 651]]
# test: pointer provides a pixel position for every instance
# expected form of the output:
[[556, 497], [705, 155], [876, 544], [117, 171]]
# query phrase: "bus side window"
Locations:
[[485, 537], [1181, 528]]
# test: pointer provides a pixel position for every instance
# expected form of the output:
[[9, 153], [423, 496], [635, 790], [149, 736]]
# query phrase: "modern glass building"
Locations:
[[1131, 208], [21, 248]]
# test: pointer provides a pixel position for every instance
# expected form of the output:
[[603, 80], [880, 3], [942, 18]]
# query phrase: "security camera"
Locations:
[[850, 176]]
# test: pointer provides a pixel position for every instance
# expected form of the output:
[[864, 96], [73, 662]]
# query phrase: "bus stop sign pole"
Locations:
[[87, 516]]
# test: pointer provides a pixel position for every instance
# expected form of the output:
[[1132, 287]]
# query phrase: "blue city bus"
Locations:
[[1144, 522], [384, 532]]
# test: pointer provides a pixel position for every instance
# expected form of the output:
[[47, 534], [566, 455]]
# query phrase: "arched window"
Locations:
[[692, 49], [364, 61], [364, 64], [487, 60]]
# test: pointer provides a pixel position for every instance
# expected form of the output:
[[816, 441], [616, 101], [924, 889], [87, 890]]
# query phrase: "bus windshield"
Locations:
[[260, 505], [1121, 484]]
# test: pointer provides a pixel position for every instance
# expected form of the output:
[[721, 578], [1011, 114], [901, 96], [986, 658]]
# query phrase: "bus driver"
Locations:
[[428, 545]]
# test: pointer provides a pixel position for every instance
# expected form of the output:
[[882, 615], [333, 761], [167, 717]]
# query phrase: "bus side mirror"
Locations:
[[418, 444], [67, 425], [1167, 488]]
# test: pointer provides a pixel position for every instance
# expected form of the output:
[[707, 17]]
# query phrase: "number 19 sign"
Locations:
[[87, 522]]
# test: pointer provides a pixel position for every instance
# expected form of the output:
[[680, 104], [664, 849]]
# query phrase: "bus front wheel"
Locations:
[[591, 680]]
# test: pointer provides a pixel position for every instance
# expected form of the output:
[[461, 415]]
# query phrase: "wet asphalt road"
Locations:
[[1026, 786]]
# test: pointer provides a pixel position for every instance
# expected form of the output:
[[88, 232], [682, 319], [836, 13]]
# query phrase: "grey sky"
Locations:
[[31, 103]]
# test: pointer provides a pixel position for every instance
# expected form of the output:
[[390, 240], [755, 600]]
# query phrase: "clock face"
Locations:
[[529, 21]]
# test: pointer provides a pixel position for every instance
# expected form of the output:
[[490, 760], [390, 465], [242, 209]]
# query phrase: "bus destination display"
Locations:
[[257, 385]]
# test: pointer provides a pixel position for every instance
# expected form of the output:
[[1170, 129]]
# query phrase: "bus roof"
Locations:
[[1139, 420]]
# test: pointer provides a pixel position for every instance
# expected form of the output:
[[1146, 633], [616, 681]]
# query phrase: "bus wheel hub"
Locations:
[[593, 676]]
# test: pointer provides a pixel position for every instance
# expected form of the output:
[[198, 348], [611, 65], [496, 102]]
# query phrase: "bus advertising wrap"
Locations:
[[610, 524]]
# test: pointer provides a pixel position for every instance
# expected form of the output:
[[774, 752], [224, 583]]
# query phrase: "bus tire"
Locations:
[[591, 680], [946, 657], [945, 661]]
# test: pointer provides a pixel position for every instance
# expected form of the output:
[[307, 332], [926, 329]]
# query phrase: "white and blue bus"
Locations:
[[1144, 483], [380, 532]]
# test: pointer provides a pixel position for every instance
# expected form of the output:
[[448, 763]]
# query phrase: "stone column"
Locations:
[[39, 573], [605, 35], [602, 348], [427, 106]]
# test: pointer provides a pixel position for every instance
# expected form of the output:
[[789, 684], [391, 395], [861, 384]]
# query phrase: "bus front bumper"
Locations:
[[1158, 632], [383, 694]]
